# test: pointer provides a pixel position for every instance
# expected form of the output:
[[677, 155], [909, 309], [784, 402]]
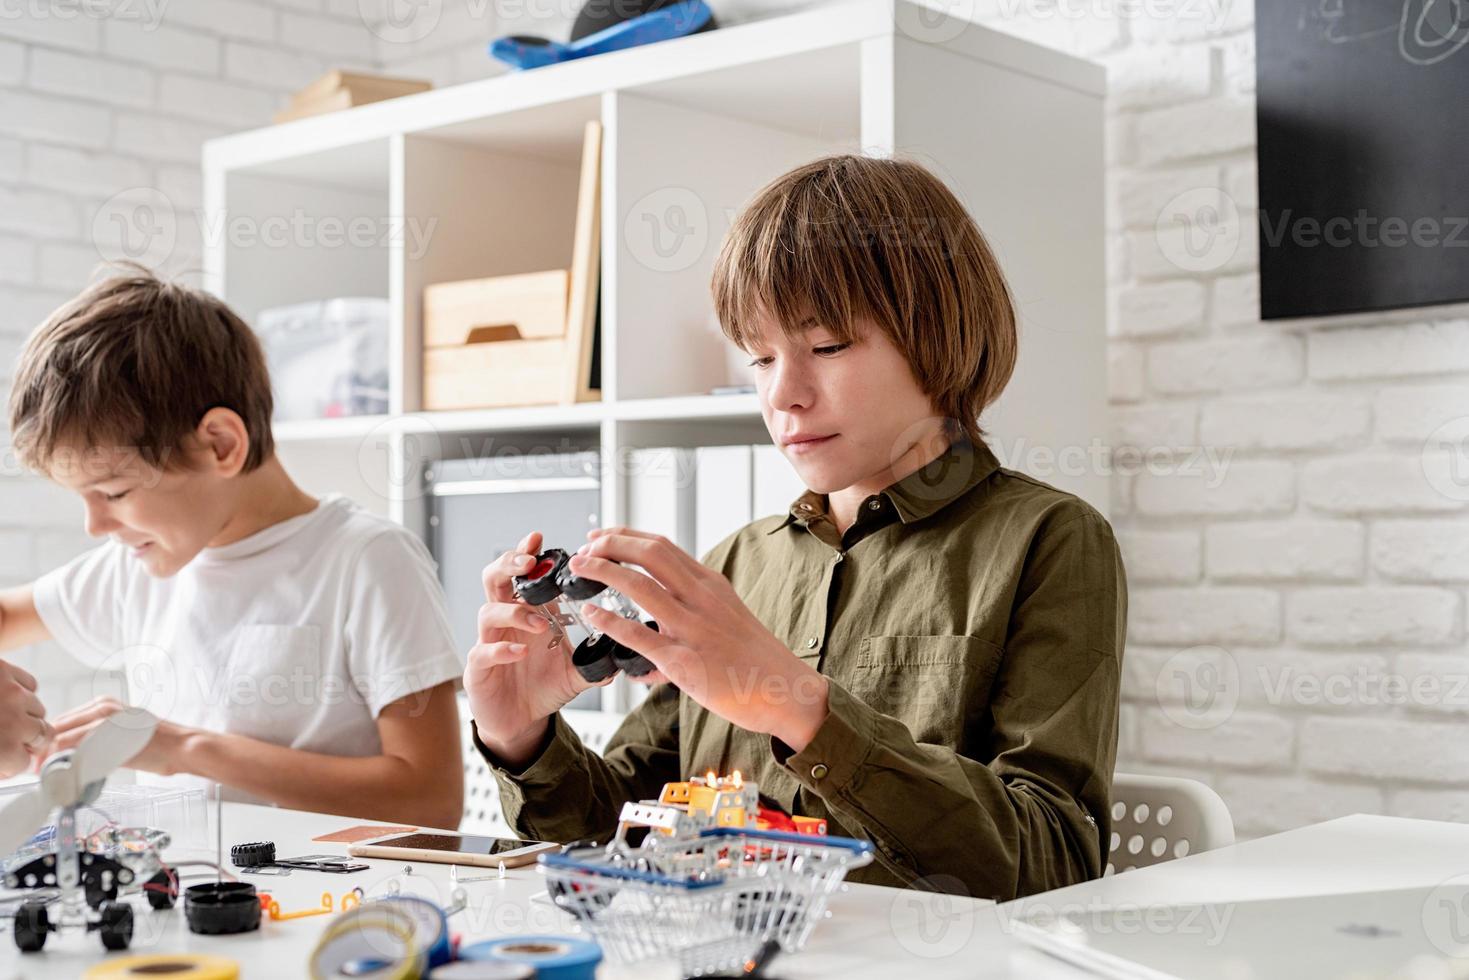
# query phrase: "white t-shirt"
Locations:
[[299, 634]]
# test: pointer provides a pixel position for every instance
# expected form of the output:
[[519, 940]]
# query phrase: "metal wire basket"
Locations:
[[711, 900]]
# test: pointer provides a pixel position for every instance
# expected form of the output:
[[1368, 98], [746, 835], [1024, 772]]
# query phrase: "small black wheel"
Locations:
[[116, 926], [31, 925], [162, 890]]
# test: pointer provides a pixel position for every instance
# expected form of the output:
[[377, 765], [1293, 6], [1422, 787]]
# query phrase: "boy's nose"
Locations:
[[788, 391], [98, 522]]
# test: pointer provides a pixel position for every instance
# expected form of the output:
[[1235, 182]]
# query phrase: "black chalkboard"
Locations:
[[1363, 127]]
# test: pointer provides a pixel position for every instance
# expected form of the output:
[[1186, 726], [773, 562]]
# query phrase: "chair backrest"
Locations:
[[1158, 818], [482, 813]]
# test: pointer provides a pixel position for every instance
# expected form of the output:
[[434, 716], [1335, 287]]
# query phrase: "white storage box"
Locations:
[[328, 358]]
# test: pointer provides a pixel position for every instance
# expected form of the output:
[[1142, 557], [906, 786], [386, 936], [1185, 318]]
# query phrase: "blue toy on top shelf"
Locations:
[[660, 23]]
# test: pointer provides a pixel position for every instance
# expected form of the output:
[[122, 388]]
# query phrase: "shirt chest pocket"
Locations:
[[274, 682], [938, 686]]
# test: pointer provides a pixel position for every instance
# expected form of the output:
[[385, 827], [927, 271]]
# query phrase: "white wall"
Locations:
[[1307, 549]]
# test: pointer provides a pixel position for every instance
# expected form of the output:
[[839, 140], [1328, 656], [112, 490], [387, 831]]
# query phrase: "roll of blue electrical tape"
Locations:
[[431, 929], [553, 957]]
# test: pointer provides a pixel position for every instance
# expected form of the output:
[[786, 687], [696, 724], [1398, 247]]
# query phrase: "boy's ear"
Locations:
[[223, 440]]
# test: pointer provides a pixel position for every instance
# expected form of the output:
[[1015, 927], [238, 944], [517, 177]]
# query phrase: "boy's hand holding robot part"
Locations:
[[707, 642], [565, 598]]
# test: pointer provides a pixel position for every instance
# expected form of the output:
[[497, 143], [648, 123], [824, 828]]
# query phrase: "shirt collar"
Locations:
[[921, 493]]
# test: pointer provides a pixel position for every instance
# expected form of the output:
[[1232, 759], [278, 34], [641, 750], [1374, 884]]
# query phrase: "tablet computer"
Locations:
[[465, 849]]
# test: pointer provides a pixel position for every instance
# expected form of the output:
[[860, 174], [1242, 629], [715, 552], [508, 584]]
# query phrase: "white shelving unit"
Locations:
[[480, 179]]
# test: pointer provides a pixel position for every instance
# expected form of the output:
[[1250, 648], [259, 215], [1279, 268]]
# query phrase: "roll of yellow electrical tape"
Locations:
[[182, 966]]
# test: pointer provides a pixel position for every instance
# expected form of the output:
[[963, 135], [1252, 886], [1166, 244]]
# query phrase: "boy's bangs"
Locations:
[[798, 266]]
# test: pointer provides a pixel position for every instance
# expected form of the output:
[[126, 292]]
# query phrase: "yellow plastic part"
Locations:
[[327, 906]]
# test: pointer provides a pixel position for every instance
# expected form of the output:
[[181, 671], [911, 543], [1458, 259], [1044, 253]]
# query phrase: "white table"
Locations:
[[873, 932]]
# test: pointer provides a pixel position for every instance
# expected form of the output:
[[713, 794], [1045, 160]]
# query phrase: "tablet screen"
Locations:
[[456, 843]]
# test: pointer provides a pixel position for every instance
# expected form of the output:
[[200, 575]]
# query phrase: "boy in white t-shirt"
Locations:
[[296, 650]]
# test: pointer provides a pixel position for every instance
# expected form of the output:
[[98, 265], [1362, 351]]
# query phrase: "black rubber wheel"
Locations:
[[31, 925], [161, 893], [116, 926]]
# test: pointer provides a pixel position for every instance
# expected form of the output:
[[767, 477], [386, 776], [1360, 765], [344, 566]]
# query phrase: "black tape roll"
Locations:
[[222, 908]]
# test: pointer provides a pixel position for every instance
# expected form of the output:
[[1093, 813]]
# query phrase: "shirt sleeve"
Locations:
[[81, 603], [568, 792], [1029, 812], [397, 634]]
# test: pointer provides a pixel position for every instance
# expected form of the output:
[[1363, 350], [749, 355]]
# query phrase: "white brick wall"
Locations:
[[91, 106], [1284, 509], [1324, 573]]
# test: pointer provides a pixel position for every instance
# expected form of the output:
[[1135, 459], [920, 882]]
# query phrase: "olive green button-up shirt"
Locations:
[[970, 623]]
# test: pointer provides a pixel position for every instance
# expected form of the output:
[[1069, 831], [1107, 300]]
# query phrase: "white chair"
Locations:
[[1158, 818], [482, 813]]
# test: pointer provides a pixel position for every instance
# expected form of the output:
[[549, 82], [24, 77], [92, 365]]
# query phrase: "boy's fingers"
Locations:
[[92, 712], [497, 576], [630, 633], [652, 678], [33, 706], [22, 677], [509, 616], [650, 595], [487, 655]]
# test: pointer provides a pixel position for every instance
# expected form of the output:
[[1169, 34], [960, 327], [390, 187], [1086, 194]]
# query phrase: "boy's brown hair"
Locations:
[[849, 237], [134, 362]]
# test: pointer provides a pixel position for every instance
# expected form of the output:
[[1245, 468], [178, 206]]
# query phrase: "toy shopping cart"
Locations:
[[710, 900]]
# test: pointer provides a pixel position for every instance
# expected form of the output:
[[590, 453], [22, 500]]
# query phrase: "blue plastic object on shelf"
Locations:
[[675, 20]]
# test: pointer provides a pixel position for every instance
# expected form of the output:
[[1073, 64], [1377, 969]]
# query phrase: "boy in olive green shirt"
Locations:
[[925, 651]]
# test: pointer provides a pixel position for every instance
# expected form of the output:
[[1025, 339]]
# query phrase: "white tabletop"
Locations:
[[872, 932]]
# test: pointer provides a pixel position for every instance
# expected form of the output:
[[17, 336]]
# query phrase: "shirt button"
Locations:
[[819, 771], [811, 643], [874, 505]]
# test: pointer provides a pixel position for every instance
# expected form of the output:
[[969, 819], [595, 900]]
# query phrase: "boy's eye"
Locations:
[[830, 349], [116, 496], [761, 362]]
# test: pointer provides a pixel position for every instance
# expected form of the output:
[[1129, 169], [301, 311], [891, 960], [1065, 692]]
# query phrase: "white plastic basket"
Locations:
[[711, 900]]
